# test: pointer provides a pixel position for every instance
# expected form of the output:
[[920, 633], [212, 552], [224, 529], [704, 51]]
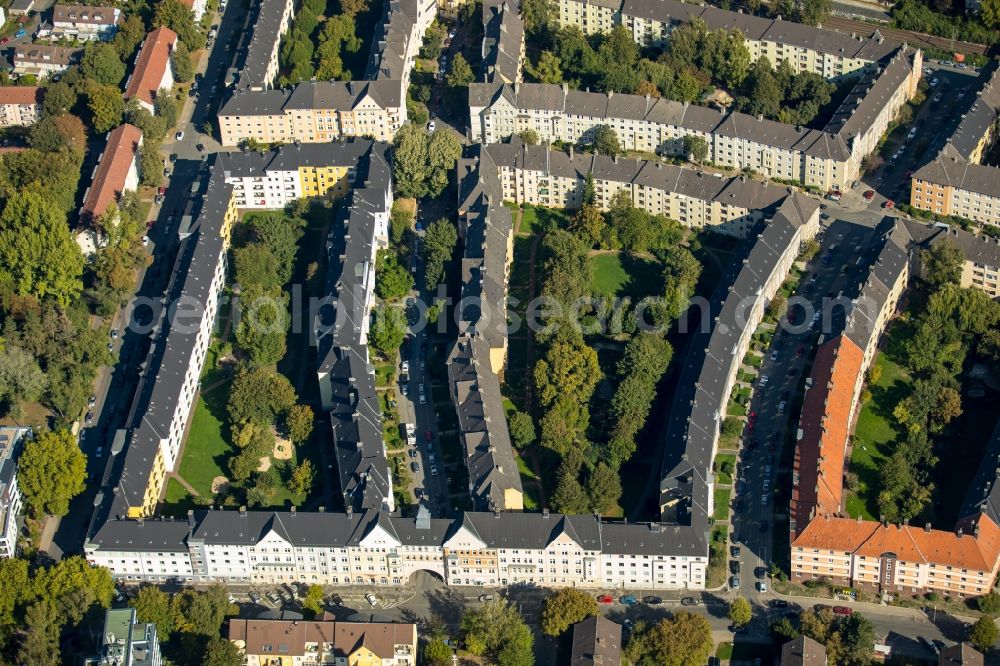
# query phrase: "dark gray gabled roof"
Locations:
[[160, 535], [984, 493], [256, 103], [482, 424], [387, 58], [961, 175], [597, 641], [857, 113], [979, 249], [503, 41], [259, 40]]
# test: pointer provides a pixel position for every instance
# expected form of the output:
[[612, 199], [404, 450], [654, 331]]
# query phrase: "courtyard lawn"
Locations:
[[875, 434], [721, 504], [530, 483], [206, 449], [538, 219], [619, 274], [721, 459]]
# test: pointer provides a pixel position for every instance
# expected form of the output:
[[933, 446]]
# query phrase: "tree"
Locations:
[[569, 496], [165, 106], [152, 604], [604, 488], [258, 396], [646, 358], [263, 322], [498, 631], [606, 141], [150, 164], [60, 97], [74, 586], [443, 151], [302, 478], [410, 161], [203, 612], [128, 37], [589, 225], [537, 14], [989, 602], [565, 608], [101, 64], [853, 640], [388, 330], [528, 136], [941, 264], [548, 69], [436, 653], [51, 471], [983, 634], [695, 147], [740, 612], [682, 640], [182, 63], [439, 245], [989, 12], [314, 599], [174, 15], [392, 279], [106, 106], [569, 367], [812, 12], [255, 264], [299, 423], [461, 74], [20, 377], [221, 652], [522, 429], [40, 645], [58, 132]]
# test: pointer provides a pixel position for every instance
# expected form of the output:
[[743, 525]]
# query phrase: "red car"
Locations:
[[605, 599], [869, 195], [753, 416], [890, 204], [428, 435], [843, 610]]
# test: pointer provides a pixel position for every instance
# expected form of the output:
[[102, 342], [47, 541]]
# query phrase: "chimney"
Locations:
[[571, 151], [243, 511], [350, 512], [292, 510], [191, 518], [545, 512], [958, 532], [321, 509], [927, 527]]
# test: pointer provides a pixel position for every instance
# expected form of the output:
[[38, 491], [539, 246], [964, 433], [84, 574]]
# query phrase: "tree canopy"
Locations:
[[51, 472], [565, 608], [496, 630]]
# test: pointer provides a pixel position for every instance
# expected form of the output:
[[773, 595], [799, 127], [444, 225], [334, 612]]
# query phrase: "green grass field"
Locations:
[[538, 219], [206, 449], [622, 275], [721, 504], [721, 459], [875, 433]]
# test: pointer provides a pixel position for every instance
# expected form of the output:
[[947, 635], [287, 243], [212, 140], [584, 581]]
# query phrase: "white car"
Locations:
[[405, 367], [372, 599], [781, 407], [763, 381], [179, 135], [431, 126]]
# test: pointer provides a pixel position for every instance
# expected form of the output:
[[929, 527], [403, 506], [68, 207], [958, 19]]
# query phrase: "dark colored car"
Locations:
[[652, 601]]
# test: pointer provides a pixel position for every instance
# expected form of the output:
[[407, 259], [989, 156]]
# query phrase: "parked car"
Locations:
[[889, 204], [431, 126], [778, 603], [761, 586], [605, 599], [734, 583], [254, 597], [371, 599], [628, 600], [273, 596], [652, 601], [869, 195], [843, 610], [20, 33], [414, 467], [689, 601], [486, 597]]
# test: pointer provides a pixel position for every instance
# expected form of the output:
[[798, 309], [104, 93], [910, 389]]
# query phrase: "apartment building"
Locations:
[[960, 654], [981, 253], [314, 112], [265, 642], [398, 38], [803, 651], [809, 49], [378, 549], [116, 172], [898, 559], [255, 63], [721, 337], [538, 176], [153, 70], [833, 389], [82, 23], [503, 42], [956, 182], [11, 442], [597, 641], [126, 641], [828, 159], [41, 60], [20, 105], [197, 8]]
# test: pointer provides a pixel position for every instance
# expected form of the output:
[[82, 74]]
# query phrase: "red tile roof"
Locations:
[[825, 424], [20, 95], [112, 170], [154, 58], [910, 544]]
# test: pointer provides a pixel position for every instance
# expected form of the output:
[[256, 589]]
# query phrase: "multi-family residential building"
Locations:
[[597, 641], [829, 158], [809, 49], [960, 654], [379, 549], [398, 38], [803, 651], [41, 60], [846, 351], [82, 23], [722, 329], [314, 112], [255, 64], [116, 172], [503, 42], [980, 253], [147, 448], [126, 641], [153, 70], [197, 8], [955, 182], [265, 642], [11, 442], [20, 105]]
